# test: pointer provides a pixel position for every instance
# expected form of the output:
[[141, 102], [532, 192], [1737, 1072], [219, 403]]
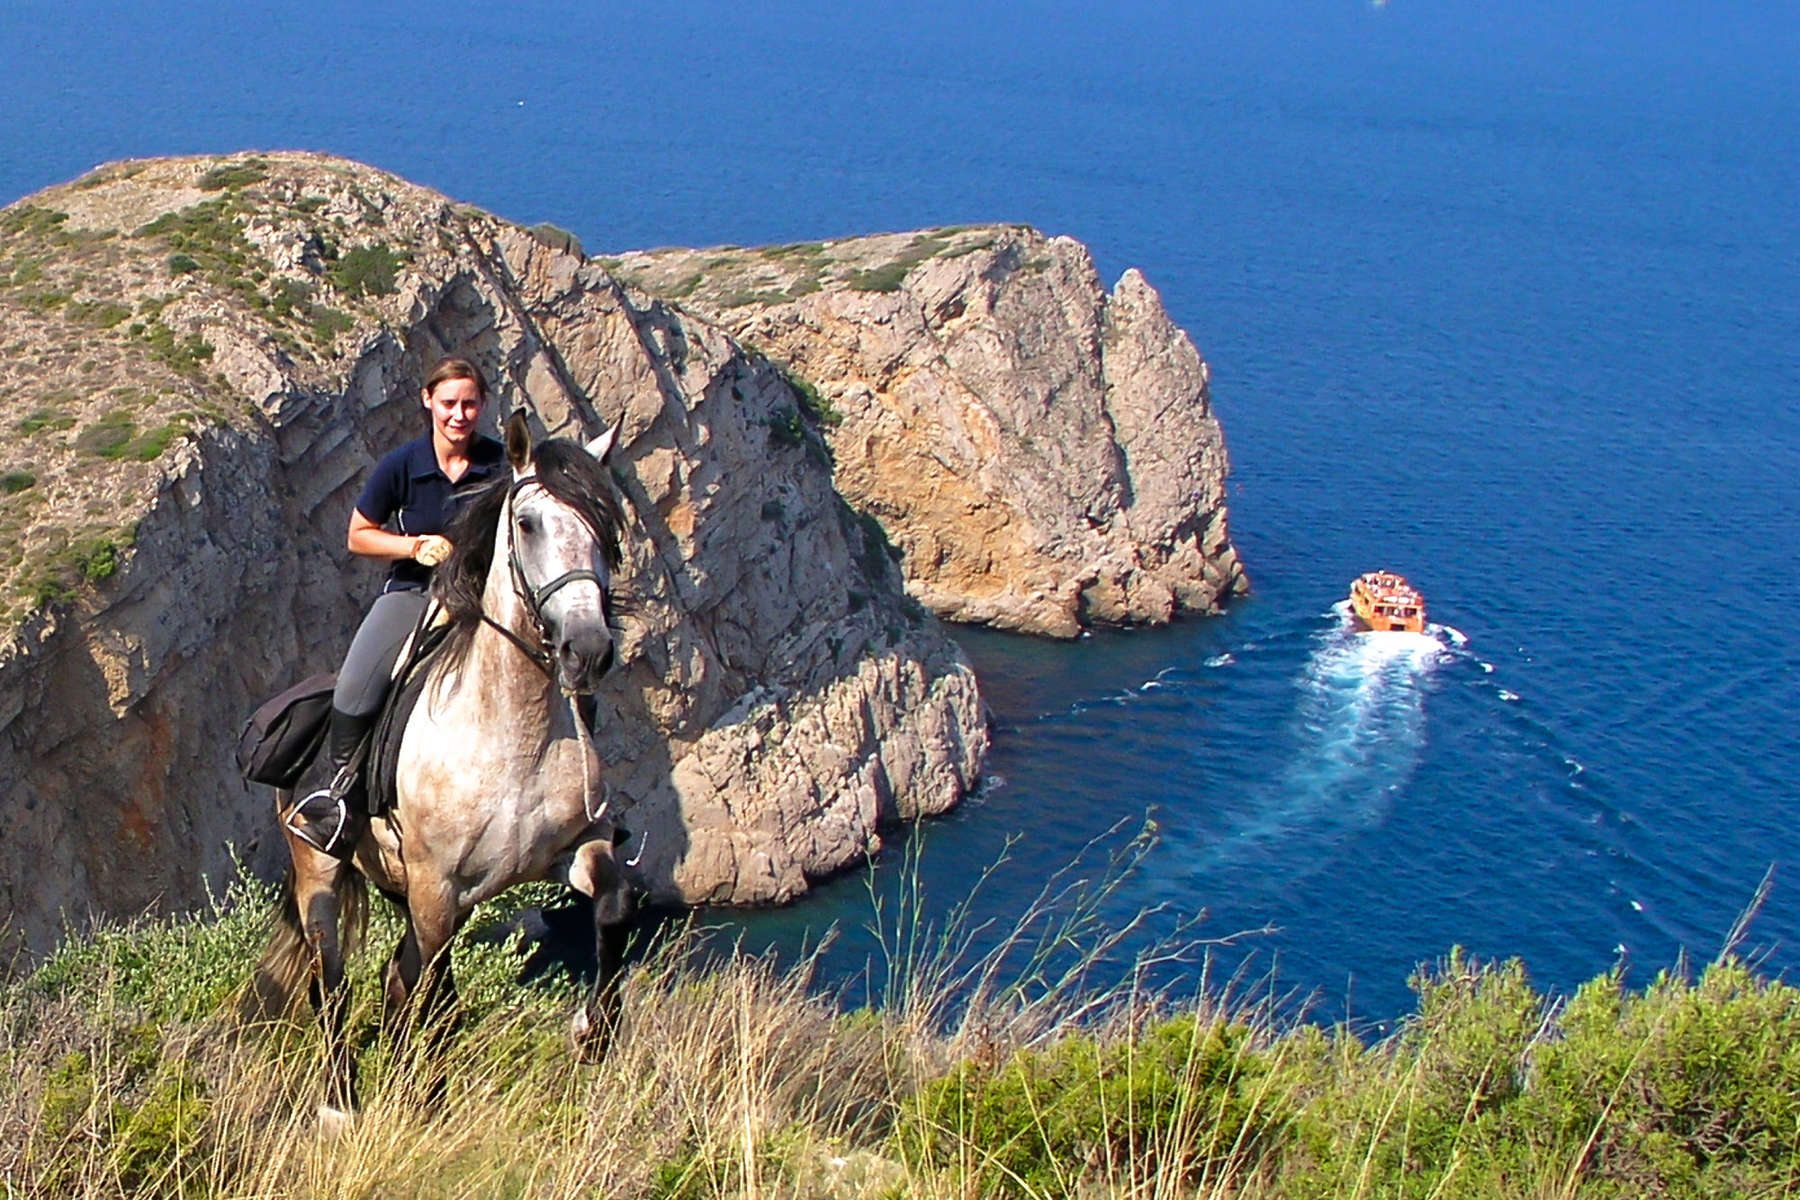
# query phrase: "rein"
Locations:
[[534, 598]]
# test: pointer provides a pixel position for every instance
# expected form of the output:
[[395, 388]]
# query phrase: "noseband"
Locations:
[[534, 598]]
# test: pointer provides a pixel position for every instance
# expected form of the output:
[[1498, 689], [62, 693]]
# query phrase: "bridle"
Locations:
[[535, 597]]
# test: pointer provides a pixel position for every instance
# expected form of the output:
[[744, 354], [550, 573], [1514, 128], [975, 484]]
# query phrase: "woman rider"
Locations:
[[399, 518]]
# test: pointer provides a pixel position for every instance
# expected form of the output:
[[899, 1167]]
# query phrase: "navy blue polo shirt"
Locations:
[[408, 494]]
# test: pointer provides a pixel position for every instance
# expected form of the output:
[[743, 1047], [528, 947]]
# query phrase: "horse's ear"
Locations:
[[518, 440], [603, 446]]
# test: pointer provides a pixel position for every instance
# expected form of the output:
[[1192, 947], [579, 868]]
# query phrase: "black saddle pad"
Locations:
[[381, 766]]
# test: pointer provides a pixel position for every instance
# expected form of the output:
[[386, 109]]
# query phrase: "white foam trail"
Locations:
[[1359, 732], [1221, 660]]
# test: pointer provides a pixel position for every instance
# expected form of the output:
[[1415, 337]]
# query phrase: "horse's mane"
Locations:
[[573, 477]]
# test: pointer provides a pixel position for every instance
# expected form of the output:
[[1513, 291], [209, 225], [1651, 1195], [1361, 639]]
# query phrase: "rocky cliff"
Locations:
[[1042, 454], [200, 360]]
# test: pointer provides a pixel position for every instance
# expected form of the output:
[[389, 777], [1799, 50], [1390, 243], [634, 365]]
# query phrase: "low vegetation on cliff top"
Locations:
[[124, 297], [733, 1078], [724, 278]]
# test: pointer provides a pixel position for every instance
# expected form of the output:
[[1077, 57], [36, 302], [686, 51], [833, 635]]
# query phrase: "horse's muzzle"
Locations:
[[583, 659]]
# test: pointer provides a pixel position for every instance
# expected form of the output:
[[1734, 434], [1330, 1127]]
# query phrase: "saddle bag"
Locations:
[[284, 735]]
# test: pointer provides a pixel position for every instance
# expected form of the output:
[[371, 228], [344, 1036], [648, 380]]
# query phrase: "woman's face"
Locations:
[[455, 406]]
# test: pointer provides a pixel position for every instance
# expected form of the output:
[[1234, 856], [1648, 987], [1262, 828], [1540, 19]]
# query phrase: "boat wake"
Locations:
[[1358, 733]]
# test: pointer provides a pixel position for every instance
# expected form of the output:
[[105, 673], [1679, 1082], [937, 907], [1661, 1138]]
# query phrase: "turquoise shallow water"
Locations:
[[1525, 272]]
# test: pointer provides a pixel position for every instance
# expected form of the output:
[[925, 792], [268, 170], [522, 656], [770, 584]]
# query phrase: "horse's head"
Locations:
[[562, 529]]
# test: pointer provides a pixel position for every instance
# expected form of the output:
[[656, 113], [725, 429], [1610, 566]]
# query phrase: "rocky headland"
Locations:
[[1043, 454], [200, 359]]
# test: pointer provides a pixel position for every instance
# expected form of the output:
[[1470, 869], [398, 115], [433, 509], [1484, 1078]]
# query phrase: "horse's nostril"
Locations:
[[592, 657]]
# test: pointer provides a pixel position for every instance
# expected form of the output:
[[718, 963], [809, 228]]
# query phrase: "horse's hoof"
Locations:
[[581, 1032], [334, 1122], [587, 1039]]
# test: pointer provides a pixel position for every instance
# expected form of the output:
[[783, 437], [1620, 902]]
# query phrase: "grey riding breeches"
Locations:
[[362, 682]]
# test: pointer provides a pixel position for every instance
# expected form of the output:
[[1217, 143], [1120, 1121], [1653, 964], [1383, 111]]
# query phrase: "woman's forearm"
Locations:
[[370, 540]]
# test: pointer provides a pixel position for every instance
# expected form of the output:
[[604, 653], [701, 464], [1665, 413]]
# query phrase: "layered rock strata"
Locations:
[[1042, 454], [201, 359]]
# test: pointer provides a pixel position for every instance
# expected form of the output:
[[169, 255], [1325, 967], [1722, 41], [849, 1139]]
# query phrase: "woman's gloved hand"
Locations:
[[431, 550]]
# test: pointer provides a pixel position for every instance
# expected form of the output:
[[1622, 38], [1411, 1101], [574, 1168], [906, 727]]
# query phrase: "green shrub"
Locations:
[[26, 270], [86, 558], [881, 279], [181, 355], [695, 1172], [170, 970], [787, 428], [14, 482], [45, 418], [96, 558], [292, 298], [101, 314], [151, 445], [209, 231], [1683, 1089], [1185, 1100], [234, 175], [43, 303], [1431, 1112], [183, 264], [685, 287], [740, 299], [31, 219], [366, 271], [108, 437], [888, 277], [812, 402], [327, 323], [1469, 1036], [141, 1111], [806, 250]]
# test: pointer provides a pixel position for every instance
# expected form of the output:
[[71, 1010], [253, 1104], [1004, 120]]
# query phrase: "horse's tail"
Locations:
[[289, 964]]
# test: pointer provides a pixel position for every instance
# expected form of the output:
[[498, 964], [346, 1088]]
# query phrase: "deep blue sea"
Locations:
[[1502, 296]]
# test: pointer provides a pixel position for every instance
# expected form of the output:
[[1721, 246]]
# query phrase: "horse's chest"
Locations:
[[498, 824]]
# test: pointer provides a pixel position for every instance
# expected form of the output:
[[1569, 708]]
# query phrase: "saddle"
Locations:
[[381, 752], [283, 736]]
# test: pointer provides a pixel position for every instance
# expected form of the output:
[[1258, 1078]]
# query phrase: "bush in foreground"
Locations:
[[125, 1076]]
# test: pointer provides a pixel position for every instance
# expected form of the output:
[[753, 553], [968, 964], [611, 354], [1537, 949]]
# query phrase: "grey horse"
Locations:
[[498, 781]]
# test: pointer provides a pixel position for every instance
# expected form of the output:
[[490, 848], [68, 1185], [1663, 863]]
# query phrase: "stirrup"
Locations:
[[321, 821]]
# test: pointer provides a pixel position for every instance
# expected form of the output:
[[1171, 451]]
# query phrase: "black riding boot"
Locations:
[[333, 818]]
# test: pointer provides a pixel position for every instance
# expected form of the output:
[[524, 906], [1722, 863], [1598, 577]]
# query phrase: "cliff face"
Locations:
[[200, 360], [1043, 454]]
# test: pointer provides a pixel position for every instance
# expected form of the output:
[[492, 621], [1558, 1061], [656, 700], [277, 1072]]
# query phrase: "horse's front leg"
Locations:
[[419, 991], [595, 874]]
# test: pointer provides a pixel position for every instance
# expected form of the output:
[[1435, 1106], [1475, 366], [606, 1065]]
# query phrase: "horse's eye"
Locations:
[[528, 525]]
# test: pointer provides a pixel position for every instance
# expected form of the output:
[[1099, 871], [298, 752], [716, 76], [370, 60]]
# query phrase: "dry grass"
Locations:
[[1024, 1070]]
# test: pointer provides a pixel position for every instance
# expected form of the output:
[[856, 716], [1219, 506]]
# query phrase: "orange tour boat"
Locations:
[[1386, 603]]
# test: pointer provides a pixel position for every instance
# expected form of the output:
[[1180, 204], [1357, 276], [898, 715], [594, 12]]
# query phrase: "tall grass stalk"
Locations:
[[1036, 1060]]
